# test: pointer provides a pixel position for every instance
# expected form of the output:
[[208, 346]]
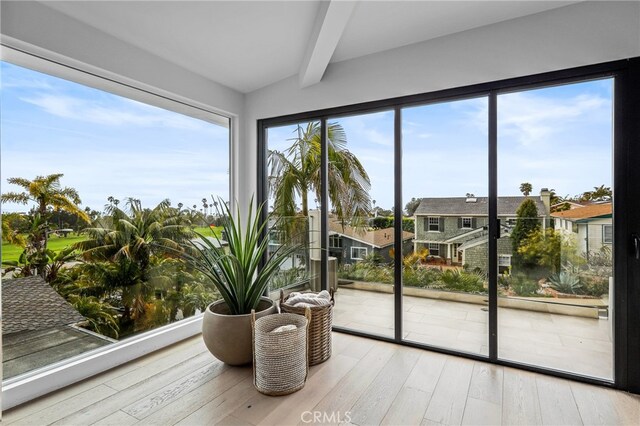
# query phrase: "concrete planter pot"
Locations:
[[228, 337]]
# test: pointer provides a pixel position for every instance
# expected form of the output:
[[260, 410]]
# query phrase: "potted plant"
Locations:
[[236, 271]]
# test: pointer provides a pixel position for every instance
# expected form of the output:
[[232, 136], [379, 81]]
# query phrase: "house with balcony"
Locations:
[[455, 229], [590, 226]]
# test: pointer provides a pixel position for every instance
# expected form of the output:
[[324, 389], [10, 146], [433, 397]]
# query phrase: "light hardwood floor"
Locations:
[[365, 382]]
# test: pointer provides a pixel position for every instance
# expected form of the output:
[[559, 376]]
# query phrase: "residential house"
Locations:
[[349, 245], [456, 228], [591, 226]]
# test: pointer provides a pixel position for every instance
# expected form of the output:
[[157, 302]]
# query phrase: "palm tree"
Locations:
[[296, 171], [9, 234], [526, 188], [48, 194], [128, 240], [599, 193]]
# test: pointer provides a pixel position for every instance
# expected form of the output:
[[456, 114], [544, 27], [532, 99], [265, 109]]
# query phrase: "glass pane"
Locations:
[[361, 238], [445, 189], [556, 244], [97, 190], [293, 167]]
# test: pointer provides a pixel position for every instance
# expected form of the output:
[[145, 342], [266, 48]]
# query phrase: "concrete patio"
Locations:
[[561, 342]]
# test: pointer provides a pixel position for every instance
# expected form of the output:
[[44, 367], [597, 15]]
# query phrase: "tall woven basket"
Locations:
[[280, 364], [319, 328]]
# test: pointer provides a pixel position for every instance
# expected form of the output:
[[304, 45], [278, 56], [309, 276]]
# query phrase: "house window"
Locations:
[[358, 253], [467, 223], [434, 249], [275, 237], [504, 260], [433, 224], [607, 234], [335, 241], [301, 260]]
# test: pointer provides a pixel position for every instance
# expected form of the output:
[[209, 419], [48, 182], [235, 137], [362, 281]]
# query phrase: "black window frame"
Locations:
[[626, 128]]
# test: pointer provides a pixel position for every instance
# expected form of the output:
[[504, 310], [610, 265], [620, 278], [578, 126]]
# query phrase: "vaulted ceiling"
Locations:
[[246, 45]]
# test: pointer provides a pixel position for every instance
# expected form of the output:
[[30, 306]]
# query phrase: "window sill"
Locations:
[[21, 389]]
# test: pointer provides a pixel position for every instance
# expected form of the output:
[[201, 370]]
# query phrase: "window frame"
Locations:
[[33, 384], [332, 239], [470, 219], [429, 224], [366, 252], [504, 256], [626, 96], [429, 245], [606, 240]]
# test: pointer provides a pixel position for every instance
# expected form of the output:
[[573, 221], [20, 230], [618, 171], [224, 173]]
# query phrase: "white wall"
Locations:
[[579, 34]]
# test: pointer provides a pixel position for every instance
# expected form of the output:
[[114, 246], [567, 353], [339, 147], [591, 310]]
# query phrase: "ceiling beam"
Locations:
[[331, 21]]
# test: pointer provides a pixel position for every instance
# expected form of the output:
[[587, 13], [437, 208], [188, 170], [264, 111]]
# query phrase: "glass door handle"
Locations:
[[636, 245]]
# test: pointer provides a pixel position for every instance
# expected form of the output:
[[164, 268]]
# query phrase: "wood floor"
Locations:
[[365, 382]]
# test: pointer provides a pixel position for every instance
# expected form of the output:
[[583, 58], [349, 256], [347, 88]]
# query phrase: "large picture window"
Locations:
[[100, 195]]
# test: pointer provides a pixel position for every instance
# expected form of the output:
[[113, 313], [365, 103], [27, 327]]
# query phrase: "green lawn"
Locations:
[[12, 252]]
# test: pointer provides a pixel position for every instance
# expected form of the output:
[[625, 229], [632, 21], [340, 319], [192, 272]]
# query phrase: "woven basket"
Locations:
[[280, 364], [319, 328]]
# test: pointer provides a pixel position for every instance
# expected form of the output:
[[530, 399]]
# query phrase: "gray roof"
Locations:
[[458, 206], [30, 304]]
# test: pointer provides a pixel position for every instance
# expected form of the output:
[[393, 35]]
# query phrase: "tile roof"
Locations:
[[586, 212], [31, 304], [378, 238], [458, 206]]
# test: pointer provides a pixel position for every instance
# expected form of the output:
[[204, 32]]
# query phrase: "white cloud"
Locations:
[[112, 112], [530, 118]]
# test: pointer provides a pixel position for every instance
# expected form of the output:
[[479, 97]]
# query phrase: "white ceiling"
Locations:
[[247, 45]]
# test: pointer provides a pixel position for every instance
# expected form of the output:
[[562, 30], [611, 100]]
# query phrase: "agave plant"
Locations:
[[237, 271], [565, 282]]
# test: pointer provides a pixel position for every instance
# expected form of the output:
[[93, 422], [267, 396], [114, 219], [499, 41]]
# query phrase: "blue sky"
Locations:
[[559, 138], [106, 145]]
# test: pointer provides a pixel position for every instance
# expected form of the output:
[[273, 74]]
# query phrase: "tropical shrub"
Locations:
[[594, 284], [467, 282], [565, 282], [101, 317]]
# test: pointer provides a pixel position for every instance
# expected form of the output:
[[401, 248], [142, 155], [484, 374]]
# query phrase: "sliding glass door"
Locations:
[[445, 187], [480, 221], [555, 206]]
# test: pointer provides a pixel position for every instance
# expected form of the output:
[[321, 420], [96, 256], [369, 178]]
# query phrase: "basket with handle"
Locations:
[[280, 359], [319, 327]]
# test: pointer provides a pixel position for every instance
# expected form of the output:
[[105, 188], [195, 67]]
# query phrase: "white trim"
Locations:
[[366, 252], [45, 62], [470, 222], [429, 223], [64, 373], [506, 256]]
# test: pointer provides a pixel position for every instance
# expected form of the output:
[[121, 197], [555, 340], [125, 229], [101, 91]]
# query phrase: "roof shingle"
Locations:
[[458, 206], [586, 212], [31, 304]]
